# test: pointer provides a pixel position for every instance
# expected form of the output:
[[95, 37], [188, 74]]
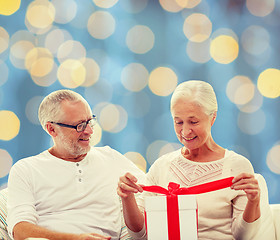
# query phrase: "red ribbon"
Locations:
[[172, 200]]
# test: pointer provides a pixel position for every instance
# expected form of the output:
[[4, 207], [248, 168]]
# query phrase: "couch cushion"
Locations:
[[276, 215], [3, 214]]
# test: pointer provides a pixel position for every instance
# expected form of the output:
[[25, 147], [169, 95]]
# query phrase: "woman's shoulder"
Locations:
[[238, 162]]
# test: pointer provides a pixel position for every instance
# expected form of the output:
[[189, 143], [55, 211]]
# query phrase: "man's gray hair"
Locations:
[[200, 92], [50, 108]]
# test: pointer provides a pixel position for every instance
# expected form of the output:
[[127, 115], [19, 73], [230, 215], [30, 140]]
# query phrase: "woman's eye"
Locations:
[[194, 122]]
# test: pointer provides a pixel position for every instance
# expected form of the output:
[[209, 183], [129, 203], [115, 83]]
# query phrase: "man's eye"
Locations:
[[178, 123]]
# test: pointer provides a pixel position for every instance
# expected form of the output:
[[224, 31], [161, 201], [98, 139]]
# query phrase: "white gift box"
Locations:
[[156, 217]]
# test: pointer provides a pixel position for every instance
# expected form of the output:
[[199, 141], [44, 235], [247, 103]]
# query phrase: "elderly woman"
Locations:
[[230, 213]]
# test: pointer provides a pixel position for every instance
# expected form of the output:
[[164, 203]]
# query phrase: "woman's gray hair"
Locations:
[[200, 92], [50, 108]]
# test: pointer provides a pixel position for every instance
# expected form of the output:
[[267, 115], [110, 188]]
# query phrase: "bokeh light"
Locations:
[[273, 159], [6, 162], [40, 16], [135, 77], [65, 10], [140, 39], [101, 25], [197, 27], [4, 40], [269, 83], [260, 8], [137, 159], [240, 90], [9, 125], [9, 7], [162, 81], [224, 49], [255, 40]]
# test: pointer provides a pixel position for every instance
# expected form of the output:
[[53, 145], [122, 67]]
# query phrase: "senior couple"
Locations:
[[68, 192]]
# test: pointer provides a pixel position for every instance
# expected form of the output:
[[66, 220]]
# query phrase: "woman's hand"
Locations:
[[127, 186], [249, 184]]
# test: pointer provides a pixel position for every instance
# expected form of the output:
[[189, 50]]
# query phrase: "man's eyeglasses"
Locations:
[[81, 126]]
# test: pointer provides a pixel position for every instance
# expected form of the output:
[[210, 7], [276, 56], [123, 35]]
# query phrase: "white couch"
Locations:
[[272, 211]]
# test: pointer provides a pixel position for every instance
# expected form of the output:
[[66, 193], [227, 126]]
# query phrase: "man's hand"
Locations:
[[127, 186]]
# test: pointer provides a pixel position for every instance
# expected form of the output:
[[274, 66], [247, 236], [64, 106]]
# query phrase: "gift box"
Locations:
[[173, 215], [163, 227]]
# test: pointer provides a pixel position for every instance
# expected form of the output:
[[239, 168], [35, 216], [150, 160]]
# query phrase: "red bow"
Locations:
[[172, 200]]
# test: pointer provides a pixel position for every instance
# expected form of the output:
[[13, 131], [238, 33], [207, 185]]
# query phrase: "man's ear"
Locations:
[[214, 115], [50, 129]]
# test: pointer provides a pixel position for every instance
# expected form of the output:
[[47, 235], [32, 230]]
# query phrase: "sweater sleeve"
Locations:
[[20, 203], [261, 228]]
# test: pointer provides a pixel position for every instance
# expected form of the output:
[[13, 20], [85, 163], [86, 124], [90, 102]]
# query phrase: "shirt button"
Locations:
[[80, 179], [80, 171], [77, 164]]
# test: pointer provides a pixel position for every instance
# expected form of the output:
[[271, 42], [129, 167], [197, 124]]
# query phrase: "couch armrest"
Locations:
[[275, 208]]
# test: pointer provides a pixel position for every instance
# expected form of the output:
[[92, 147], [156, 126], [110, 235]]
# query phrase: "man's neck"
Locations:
[[77, 158]]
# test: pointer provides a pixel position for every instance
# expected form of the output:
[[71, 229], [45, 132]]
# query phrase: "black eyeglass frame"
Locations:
[[84, 124]]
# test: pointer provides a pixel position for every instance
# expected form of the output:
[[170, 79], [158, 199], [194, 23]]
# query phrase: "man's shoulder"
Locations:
[[31, 159]]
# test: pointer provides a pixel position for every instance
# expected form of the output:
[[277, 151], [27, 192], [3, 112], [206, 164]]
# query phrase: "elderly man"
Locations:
[[69, 190]]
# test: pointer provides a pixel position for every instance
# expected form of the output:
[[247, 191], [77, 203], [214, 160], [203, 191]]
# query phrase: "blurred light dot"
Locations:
[[224, 32], [140, 39], [71, 50], [71, 73], [258, 60], [40, 14], [170, 5], [273, 159], [135, 77], [162, 81], [252, 123], [9, 125], [4, 39], [101, 91], [240, 90], [197, 27], [18, 52], [56, 38], [31, 109], [254, 105], [224, 49], [153, 150], [6, 163], [269, 83], [39, 62], [137, 159], [136, 104], [112, 117], [133, 6], [101, 25], [8, 7], [4, 70], [65, 10], [260, 8], [188, 3], [169, 147], [97, 135], [105, 3], [92, 72], [48, 79], [255, 40], [199, 52]]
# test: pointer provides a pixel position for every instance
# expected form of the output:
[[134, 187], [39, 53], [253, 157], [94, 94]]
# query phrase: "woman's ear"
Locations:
[[50, 129], [214, 115]]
